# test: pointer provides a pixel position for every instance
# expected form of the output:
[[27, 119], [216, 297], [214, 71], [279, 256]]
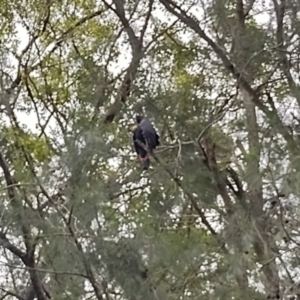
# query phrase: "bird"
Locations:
[[145, 140]]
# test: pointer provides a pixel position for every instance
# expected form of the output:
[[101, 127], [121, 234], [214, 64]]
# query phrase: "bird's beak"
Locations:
[[132, 127]]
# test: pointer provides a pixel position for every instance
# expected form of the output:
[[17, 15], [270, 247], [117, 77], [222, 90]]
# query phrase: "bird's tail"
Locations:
[[145, 162]]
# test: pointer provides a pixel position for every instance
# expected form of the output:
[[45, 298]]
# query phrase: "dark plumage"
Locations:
[[144, 134]]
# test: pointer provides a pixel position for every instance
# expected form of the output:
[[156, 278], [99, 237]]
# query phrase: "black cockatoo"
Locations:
[[144, 134]]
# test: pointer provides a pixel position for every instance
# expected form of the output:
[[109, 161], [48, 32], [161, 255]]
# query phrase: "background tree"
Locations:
[[217, 214]]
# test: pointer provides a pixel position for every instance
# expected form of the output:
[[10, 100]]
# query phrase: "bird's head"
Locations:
[[139, 118]]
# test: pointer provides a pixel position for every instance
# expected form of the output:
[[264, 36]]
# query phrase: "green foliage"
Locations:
[[202, 219], [19, 141]]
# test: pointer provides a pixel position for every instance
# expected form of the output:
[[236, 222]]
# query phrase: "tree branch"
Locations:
[[9, 293], [251, 97], [186, 192], [4, 242], [240, 12], [249, 7], [281, 49], [137, 55], [229, 66], [28, 258], [143, 31], [220, 182]]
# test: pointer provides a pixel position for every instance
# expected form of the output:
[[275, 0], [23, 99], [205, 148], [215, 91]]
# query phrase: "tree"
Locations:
[[216, 216]]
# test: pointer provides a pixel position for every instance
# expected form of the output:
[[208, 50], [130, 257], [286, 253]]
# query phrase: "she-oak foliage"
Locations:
[[215, 216]]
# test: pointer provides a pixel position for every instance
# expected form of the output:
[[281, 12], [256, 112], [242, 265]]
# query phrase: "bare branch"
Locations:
[[120, 12], [143, 31], [13, 249], [217, 119], [137, 55], [249, 7], [9, 293], [240, 12]]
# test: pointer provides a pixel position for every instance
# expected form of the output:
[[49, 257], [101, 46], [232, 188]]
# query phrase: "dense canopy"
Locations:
[[217, 216]]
